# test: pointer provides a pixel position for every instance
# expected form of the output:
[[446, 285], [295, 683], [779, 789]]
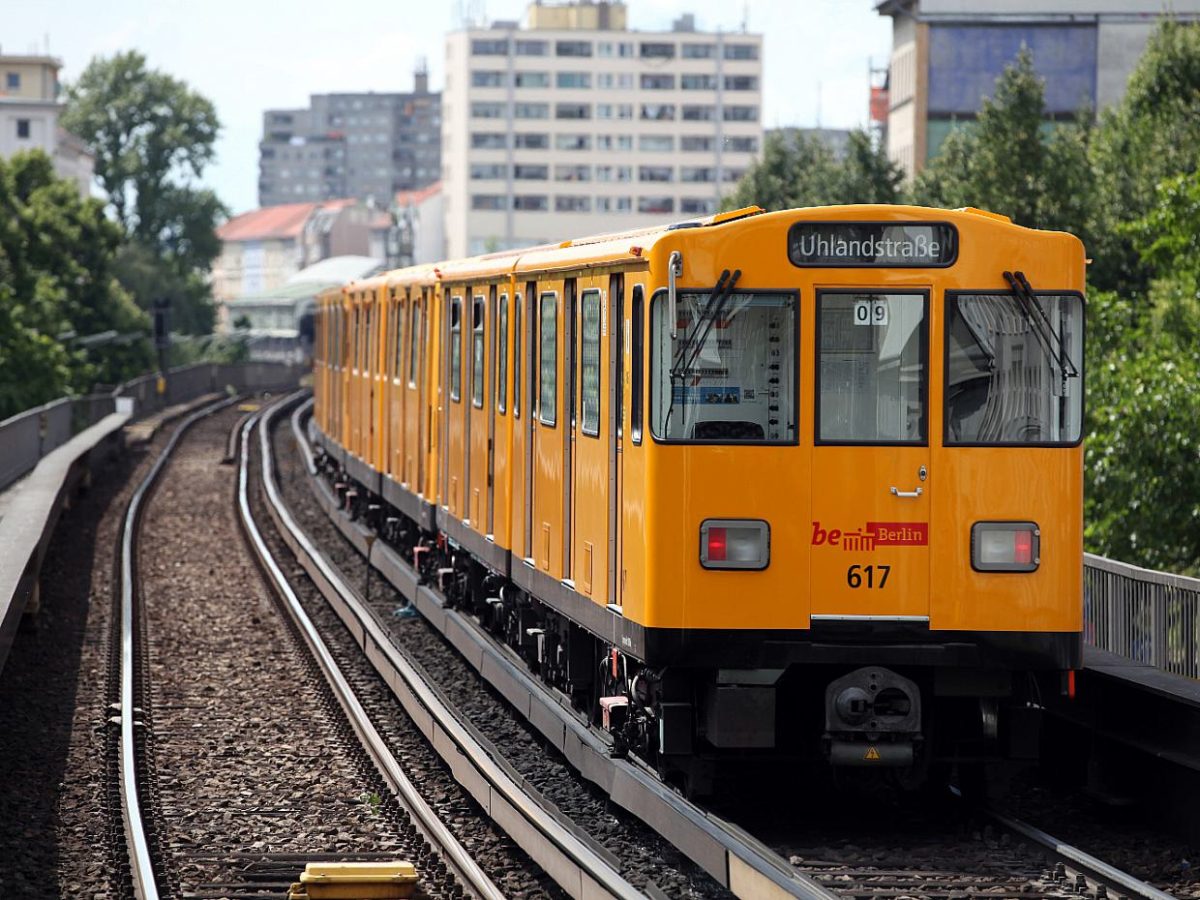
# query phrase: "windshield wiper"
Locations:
[[1051, 341], [692, 344]]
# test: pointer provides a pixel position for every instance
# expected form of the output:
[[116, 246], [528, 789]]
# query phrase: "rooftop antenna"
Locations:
[[745, 16]]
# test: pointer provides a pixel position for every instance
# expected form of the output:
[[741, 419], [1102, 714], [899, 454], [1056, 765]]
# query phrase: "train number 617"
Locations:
[[858, 576]]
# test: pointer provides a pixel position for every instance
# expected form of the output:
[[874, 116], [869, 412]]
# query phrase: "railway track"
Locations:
[[237, 765], [1026, 863]]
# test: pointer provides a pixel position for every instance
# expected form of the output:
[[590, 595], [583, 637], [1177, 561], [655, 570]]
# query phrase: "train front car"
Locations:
[[863, 490]]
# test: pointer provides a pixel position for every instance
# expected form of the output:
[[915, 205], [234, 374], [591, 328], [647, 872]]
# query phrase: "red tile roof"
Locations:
[[269, 222], [412, 198]]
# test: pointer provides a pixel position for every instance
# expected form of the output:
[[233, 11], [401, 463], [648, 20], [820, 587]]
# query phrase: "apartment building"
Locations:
[[571, 124], [29, 109], [364, 145], [947, 54]]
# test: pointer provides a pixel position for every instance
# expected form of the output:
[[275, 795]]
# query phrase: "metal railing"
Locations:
[[28, 436], [1142, 614]]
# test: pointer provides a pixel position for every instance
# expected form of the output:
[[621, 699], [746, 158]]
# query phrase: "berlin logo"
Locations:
[[872, 535]]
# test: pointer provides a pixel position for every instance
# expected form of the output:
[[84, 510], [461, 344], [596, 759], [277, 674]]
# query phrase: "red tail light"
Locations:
[[1023, 547], [716, 544]]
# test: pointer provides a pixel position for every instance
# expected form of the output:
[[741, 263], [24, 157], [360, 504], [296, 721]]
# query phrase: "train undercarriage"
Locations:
[[695, 723]]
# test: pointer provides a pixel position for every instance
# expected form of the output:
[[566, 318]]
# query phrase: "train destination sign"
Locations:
[[916, 244]]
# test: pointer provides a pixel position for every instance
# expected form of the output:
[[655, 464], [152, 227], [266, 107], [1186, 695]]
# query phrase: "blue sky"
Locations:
[[250, 55]]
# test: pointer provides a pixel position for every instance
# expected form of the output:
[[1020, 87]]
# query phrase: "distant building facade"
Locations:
[[420, 218], [367, 146], [572, 124], [262, 249], [837, 140], [947, 54], [29, 110]]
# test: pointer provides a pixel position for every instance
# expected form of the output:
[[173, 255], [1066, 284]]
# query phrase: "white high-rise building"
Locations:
[[571, 124]]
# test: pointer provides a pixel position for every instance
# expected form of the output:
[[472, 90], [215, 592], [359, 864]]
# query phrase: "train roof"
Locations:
[[625, 247]]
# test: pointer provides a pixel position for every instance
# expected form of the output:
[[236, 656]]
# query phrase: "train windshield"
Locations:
[[1007, 382], [729, 376]]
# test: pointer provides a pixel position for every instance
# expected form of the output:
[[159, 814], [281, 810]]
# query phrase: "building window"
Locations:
[[531, 111], [531, 202], [698, 51], [572, 204], [572, 173], [614, 173], [620, 80], [12, 81], [481, 78], [614, 204], [741, 144], [699, 113], [734, 174], [487, 201], [614, 141], [658, 112], [589, 363], [741, 113], [572, 142], [548, 359], [573, 48], [531, 141], [698, 206], [530, 173], [531, 79], [658, 82], [489, 47], [697, 173], [655, 173], [656, 204], [741, 51], [573, 79], [741, 83], [531, 48], [656, 143], [694, 143], [487, 140], [485, 171], [651, 50], [487, 110], [698, 82], [573, 111]]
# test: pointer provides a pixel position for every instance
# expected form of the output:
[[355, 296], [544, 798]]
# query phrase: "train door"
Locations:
[[548, 424], [631, 520], [396, 395], [414, 410], [590, 448], [477, 415], [615, 416], [870, 460], [524, 316], [570, 409]]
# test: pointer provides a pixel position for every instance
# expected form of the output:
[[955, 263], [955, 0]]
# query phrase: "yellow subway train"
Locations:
[[803, 484]]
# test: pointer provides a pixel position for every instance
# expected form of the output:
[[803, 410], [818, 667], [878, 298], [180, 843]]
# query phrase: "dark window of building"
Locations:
[[654, 50], [656, 204], [658, 82], [487, 201], [481, 78], [698, 206], [699, 113], [702, 82], [530, 173], [572, 204], [655, 173], [698, 51], [741, 113], [573, 111], [660, 112], [487, 140], [741, 83], [531, 48], [12, 81], [531, 141], [695, 143], [741, 51], [574, 79], [573, 48], [531, 79], [531, 202], [742, 144], [489, 47], [22, 128]]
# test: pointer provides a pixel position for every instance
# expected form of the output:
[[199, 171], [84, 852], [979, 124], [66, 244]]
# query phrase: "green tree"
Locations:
[[1012, 161], [1152, 136], [57, 253], [152, 136], [800, 170]]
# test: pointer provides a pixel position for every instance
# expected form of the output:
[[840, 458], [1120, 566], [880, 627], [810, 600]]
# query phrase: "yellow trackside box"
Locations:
[[358, 880]]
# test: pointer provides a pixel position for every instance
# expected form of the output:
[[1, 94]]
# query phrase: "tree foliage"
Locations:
[[153, 136], [1010, 160], [800, 170], [57, 284]]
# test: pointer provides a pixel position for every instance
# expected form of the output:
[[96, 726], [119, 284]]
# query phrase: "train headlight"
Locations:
[[735, 544], [1005, 546]]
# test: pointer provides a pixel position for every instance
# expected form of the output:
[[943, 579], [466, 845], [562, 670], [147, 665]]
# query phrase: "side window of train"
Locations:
[[398, 340], [590, 363], [502, 355], [456, 349], [477, 351], [548, 359], [364, 339], [517, 344], [639, 356], [414, 342]]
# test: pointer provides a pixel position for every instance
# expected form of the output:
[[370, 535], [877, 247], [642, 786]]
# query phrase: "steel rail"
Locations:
[[1086, 864], [455, 856], [734, 858], [569, 861], [145, 884]]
